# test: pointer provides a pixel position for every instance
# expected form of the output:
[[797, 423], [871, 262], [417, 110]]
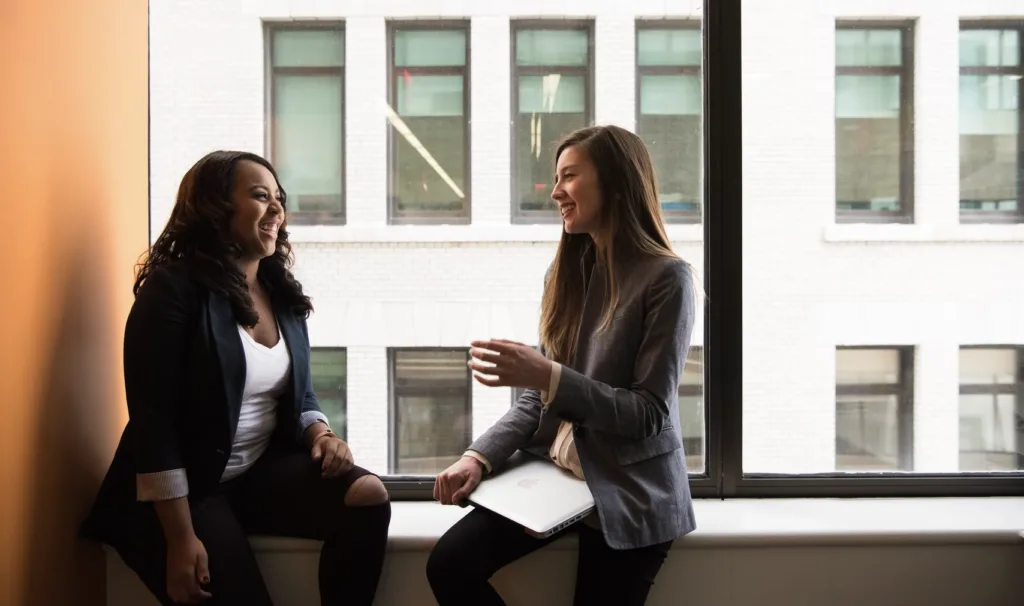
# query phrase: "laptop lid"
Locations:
[[535, 493]]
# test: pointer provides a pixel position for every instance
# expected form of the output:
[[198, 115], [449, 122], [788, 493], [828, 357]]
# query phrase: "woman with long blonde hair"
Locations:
[[601, 394]]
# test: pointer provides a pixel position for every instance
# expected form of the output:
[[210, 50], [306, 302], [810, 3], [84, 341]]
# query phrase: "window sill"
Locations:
[[894, 233], [453, 233], [416, 526]]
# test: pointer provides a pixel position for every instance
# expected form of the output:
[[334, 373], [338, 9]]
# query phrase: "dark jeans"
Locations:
[[282, 495], [482, 542]]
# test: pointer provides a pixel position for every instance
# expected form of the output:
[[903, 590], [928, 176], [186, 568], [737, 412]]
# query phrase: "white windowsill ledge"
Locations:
[[415, 526], [897, 233], [481, 232]]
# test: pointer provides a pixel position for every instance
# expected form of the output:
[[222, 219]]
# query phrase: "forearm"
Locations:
[[175, 518], [631, 413]]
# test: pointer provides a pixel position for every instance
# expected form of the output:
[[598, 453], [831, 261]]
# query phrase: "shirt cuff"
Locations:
[[161, 485], [479, 457], [556, 375], [312, 416]]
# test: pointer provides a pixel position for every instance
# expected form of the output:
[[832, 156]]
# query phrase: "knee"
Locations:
[[366, 491]]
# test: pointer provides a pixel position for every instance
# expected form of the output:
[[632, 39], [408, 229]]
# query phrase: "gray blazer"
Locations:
[[620, 391]]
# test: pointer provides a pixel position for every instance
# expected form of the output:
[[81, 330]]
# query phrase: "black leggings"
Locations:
[[281, 495], [481, 543]]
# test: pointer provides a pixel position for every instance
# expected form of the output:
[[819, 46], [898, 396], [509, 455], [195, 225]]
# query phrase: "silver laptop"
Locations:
[[536, 494]]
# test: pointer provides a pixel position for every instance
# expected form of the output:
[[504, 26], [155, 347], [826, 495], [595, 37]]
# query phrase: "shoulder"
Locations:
[[665, 272], [169, 283]]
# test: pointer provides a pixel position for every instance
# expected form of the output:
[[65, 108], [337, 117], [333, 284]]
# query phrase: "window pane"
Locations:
[[868, 141], [309, 48], [668, 47], [550, 107], [670, 125], [430, 152], [307, 121], [990, 173], [433, 409], [991, 433], [988, 366], [430, 48], [551, 47], [329, 370], [989, 48], [691, 410], [867, 366], [867, 433], [868, 48]]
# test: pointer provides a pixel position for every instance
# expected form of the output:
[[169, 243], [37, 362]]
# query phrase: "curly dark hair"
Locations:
[[198, 235]]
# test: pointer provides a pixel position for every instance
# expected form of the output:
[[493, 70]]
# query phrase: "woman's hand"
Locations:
[[187, 570], [509, 364], [333, 454], [454, 484]]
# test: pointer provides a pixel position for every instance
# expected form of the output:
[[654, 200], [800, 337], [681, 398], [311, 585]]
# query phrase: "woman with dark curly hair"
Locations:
[[225, 437]]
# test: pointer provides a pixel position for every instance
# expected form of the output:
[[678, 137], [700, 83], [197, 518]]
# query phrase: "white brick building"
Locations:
[[811, 283]]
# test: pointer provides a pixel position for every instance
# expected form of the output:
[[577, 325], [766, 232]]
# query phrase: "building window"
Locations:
[[668, 118], [991, 88], [991, 414], [431, 407], [874, 409], [329, 371], [874, 123], [306, 129], [517, 392], [691, 410], [551, 96], [429, 116]]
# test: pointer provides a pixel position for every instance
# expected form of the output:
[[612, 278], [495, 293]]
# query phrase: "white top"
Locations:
[[266, 378]]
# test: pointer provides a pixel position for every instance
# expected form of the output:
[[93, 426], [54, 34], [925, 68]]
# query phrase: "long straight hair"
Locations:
[[631, 226]]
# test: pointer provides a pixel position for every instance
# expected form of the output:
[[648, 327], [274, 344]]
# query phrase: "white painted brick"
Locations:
[[806, 290]]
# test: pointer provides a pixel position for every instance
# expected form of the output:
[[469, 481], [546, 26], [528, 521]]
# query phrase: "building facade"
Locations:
[[882, 209]]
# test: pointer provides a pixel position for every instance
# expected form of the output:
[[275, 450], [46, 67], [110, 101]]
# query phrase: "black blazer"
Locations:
[[184, 370]]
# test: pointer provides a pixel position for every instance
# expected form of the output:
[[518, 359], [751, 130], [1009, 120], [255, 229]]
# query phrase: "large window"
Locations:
[[808, 162], [551, 97], [329, 371], [991, 85], [306, 126], [429, 117], [668, 117], [431, 408], [874, 123], [991, 413], [874, 409]]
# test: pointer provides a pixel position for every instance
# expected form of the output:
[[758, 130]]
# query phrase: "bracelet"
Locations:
[[328, 432]]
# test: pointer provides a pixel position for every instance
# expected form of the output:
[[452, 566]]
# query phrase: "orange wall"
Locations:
[[73, 190]]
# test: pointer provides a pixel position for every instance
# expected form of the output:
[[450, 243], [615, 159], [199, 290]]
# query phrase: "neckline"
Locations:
[[261, 346]]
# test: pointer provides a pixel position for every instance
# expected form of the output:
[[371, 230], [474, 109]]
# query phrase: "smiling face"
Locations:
[[258, 210], [577, 192]]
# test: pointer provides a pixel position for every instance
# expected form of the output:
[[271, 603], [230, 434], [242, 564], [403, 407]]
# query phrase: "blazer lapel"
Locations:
[[299, 353], [228, 345]]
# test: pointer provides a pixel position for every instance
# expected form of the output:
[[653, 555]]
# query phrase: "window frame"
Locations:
[[1015, 389], [641, 24], [903, 389], [394, 26], [270, 28], [535, 217], [1017, 216], [403, 484], [907, 146], [723, 318]]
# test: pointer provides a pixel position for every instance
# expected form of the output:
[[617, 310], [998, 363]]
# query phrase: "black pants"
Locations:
[[281, 495], [481, 543]]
